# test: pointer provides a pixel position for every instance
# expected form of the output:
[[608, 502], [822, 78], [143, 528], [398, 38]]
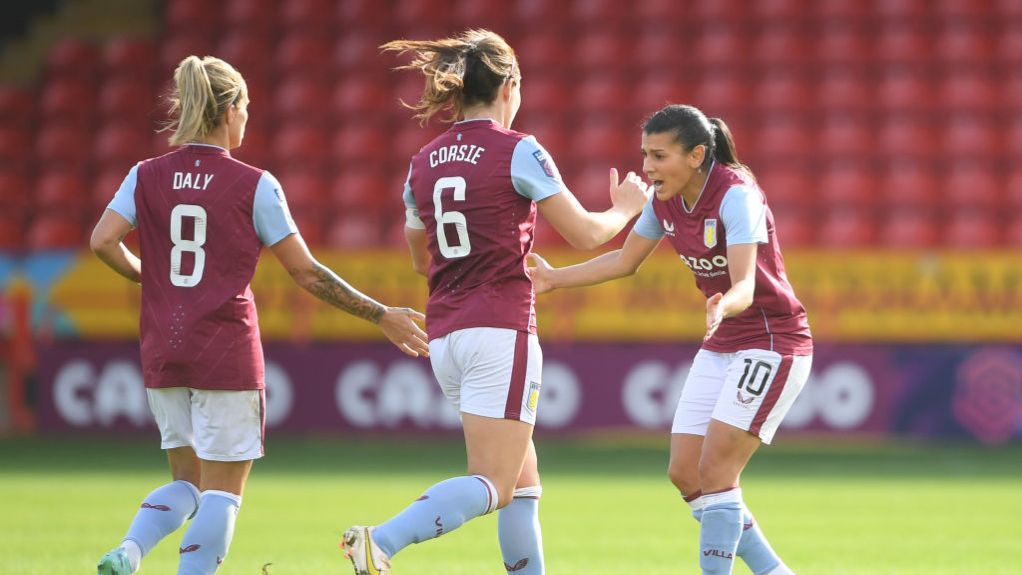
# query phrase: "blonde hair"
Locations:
[[460, 71], [204, 89]]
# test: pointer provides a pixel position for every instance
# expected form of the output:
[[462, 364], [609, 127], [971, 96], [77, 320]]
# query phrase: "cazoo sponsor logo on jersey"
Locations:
[[706, 267]]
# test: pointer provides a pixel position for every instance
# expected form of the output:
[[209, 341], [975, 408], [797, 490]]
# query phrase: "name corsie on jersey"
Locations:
[[456, 153]]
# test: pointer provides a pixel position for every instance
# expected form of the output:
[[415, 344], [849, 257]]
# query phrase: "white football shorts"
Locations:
[[489, 371], [219, 425], [752, 389]]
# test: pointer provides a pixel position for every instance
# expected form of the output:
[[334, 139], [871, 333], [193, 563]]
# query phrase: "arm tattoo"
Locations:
[[339, 293]]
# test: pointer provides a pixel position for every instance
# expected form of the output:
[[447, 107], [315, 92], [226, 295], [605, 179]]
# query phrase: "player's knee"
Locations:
[[684, 478], [715, 474]]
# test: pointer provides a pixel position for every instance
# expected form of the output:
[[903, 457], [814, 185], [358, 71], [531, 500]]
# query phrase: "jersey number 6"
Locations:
[[456, 183], [194, 245]]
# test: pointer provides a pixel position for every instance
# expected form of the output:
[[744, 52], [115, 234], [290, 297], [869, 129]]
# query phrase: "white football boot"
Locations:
[[365, 555]]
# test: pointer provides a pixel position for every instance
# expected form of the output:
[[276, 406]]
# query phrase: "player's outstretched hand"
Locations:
[[629, 195], [542, 274], [714, 314], [398, 324]]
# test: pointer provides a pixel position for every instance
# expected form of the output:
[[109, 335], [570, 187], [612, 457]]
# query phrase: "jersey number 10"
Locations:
[[181, 245], [464, 247]]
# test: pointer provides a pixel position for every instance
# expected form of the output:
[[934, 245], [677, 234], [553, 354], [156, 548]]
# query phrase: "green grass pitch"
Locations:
[[829, 508]]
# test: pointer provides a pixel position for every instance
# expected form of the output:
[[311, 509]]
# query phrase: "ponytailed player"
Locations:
[[472, 195], [757, 351], [203, 218]]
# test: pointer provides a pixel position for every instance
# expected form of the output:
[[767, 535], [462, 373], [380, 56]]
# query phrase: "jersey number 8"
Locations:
[[457, 183], [193, 245]]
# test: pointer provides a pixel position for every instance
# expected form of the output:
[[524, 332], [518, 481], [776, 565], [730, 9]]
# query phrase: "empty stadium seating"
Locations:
[[882, 122]]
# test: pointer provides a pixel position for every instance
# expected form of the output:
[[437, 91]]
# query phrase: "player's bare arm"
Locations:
[[742, 270], [586, 230], [611, 265], [107, 243], [398, 324], [417, 246]]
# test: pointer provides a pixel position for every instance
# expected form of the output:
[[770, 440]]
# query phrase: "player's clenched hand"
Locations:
[[630, 195], [542, 274], [398, 324], [714, 314]]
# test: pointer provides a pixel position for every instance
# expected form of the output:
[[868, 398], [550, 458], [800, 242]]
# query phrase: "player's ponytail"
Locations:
[[204, 89], [724, 144], [461, 71]]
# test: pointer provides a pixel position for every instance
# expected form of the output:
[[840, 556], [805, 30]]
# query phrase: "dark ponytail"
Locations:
[[692, 128]]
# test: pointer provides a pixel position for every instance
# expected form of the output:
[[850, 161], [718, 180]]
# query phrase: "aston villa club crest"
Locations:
[[710, 233], [533, 400]]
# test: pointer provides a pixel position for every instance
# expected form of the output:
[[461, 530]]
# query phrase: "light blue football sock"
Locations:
[[205, 543], [521, 539], [161, 513], [753, 546], [720, 529], [442, 509]]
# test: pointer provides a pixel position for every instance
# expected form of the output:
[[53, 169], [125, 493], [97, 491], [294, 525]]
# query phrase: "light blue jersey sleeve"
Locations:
[[124, 200], [533, 172], [743, 214], [412, 219], [270, 216], [647, 225]]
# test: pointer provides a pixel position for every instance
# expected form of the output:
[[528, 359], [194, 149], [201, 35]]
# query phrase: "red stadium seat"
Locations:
[[781, 138], [418, 14], [785, 185], [1013, 190], [968, 136], [364, 144], [651, 12], [654, 90], [547, 93], [903, 90], [901, 136], [251, 17], [124, 98], [313, 17], [548, 130], [355, 230], [828, 11], [355, 190], [1009, 47], [972, 229], [249, 53], [902, 42], [301, 100], [848, 183], [719, 46], [541, 51], [358, 53], [656, 50], [301, 146], [357, 98], [963, 44], [713, 13], [130, 57], [842, 90], [908, 184], [795, 225], [103, 187], [591, 185], [601, 51], [779, 10], [967, 10], [841, 42], [971, 183], [17, 107], [255, 149], [901, 10], [55, 232], [73, 58], [310, 226], [15, 148], [15, 192], [353, 15], [908, 228], [721, 93], [179, 46], [970, 90], [68, 101], [305, 190], [62, 192], [845, 228], [844, 136], [406, 142], [545, 14], [12, 233], [593, 13], [121, 145], [600, 94], [192, 17], [779, 44], [780, 92], [302, 54], [1012, 237], [603, 142], [63, 147]]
